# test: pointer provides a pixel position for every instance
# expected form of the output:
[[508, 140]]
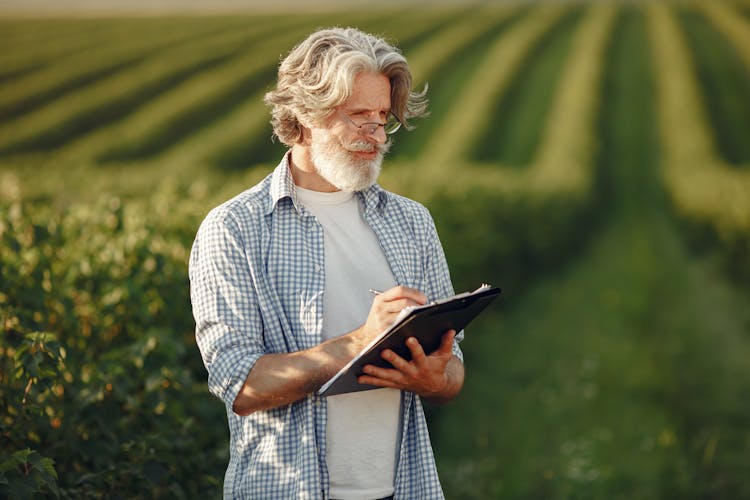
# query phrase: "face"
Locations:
[[341, 154]]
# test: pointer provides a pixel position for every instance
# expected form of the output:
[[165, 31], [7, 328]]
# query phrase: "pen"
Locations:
[[375, 292]]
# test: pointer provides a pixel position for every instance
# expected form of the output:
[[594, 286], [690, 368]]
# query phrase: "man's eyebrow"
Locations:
[[366, 110]]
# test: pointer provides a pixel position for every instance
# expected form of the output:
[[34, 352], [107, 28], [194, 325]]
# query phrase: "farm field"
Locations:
[[591, 159]]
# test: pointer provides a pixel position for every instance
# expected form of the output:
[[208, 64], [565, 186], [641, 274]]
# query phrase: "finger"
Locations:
[[378, 382], [404, 292], [398, 362], [398, 304], [417, 352], [380, 372], [395, 306], [446, 344], [373, 373]]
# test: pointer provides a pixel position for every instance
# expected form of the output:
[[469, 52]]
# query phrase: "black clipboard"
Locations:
[[426, 323]]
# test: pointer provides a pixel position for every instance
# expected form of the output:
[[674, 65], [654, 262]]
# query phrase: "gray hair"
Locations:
[[318, 75]]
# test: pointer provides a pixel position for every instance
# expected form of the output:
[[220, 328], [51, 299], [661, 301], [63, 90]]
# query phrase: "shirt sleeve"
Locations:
[[229, 328], [437, 274]]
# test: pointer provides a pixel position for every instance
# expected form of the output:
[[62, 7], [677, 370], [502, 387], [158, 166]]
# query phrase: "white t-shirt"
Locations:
[[362, 436]]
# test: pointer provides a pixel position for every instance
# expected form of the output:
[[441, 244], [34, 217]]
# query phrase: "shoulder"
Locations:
[[233, 228], [396, 204], [408, 211], [241, 211]]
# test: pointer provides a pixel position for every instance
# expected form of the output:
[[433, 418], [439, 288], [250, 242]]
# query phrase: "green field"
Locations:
[[591, 159]]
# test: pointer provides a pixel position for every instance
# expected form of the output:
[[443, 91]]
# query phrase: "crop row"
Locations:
[[162, 99], [500, 61], [723, 79], [530, 215], [214, 116], [517, 124], [241, 136], [445, 64], [706, 191], [735, 29], [735, 26], [193, 102], [89, 106], [66, 72], [31, 45], [217, 117], [520, 74]]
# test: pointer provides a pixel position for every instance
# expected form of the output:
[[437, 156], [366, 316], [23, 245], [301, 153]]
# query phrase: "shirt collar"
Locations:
[[373, 198], [282, 186]]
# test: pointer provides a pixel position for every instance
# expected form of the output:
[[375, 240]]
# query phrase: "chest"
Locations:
[[294, 264]]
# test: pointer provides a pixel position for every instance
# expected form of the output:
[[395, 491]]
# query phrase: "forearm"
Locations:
[[454, 372], [281, 379]]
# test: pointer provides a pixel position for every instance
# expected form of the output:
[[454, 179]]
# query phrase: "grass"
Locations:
[[599, 382]]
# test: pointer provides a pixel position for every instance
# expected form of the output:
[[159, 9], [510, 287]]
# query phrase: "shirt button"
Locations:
[[318, 268]]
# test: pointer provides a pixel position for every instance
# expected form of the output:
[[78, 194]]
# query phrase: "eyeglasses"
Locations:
[[391, 125]]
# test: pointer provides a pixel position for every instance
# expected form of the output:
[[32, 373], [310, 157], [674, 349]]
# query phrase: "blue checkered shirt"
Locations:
[[257, 280]]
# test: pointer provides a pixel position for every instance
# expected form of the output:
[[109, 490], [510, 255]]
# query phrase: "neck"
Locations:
[[304, 173]]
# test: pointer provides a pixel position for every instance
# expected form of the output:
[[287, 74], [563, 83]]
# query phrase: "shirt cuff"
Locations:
[[456, 349], [227, 384]]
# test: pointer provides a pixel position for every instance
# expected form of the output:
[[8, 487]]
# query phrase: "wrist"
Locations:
[[453, 382], [440, 392]]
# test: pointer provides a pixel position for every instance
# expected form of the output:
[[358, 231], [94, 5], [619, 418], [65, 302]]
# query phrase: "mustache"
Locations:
[[368, 147]]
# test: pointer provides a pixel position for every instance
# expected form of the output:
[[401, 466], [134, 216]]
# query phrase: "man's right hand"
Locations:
[[385, 308]]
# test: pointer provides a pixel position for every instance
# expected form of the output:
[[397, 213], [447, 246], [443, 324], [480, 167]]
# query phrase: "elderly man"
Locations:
[[280, 278]]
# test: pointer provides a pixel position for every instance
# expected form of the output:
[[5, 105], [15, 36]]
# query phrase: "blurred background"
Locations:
[[592, 159]]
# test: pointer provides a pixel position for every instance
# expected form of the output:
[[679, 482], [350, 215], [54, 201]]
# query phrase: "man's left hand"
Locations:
[[438, 376]]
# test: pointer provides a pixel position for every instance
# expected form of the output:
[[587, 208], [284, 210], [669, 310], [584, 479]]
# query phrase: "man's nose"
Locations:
[[379, 136]]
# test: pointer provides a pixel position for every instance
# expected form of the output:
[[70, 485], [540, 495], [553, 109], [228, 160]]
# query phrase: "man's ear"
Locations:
[[305, 138], [305, 127]]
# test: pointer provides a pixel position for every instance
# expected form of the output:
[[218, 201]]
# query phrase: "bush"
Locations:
[[102, 388]]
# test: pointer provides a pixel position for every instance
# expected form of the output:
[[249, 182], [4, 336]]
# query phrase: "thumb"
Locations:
[[446, 345]]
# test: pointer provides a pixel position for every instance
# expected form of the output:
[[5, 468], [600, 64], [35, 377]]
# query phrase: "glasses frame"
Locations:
[[391, 125]]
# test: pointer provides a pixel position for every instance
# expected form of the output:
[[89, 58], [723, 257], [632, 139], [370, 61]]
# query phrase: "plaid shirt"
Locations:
[[257, 280]]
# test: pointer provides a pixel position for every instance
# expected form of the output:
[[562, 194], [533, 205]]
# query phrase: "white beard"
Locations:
[[335, 163]]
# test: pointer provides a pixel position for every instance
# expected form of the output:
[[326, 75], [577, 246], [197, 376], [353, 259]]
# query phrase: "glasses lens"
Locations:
[[369, 128]]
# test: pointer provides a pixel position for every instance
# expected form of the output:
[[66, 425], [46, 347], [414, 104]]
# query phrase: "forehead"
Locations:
[[371, 92]]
